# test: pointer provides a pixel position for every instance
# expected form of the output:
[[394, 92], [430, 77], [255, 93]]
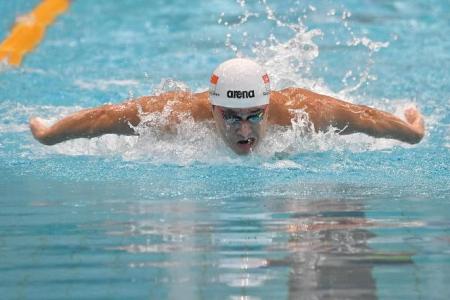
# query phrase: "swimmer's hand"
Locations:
[[39, 131], [415, 120]]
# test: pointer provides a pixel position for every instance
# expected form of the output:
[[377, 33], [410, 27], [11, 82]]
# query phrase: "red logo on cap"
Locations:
[[214, 79], [266, 78]]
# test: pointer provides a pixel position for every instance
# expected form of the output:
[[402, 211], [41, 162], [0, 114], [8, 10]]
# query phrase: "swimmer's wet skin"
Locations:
[[243, 106]]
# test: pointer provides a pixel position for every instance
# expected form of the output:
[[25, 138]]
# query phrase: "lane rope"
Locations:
[[29, 30]]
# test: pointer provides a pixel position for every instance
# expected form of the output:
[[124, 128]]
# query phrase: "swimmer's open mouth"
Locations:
[[247, 141]]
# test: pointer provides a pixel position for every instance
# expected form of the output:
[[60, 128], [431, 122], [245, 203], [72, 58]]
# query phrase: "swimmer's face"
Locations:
[[241, 128]]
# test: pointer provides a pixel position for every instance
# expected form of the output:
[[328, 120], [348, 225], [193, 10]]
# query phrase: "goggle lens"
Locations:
[[254, 118]]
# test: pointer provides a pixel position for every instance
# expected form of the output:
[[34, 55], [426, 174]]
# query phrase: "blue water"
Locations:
[[182, 217]]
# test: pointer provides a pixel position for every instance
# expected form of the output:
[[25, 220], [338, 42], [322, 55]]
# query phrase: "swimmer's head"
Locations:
[[239, 83], [239, 94]]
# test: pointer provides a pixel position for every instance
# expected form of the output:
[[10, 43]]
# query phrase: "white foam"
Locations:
[[283, 164], [190, 142]]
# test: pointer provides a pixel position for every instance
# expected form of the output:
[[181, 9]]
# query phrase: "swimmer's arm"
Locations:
[[88, 123], [352, 118], [122, 118]]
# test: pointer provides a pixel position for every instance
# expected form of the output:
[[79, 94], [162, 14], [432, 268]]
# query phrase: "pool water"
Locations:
[[307, 216]]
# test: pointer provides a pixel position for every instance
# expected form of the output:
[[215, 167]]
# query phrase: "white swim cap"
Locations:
[[239, 83]]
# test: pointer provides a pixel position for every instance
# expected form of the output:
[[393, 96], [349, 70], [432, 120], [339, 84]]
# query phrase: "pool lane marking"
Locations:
[[30, 29]]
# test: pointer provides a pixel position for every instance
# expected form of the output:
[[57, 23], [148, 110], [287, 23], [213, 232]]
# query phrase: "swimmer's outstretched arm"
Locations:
[[89, 123], [121, 118], [376, 123], [352, 118]]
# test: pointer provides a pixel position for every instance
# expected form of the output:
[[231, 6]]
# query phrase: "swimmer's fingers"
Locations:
[[415, 119], [412, 114]]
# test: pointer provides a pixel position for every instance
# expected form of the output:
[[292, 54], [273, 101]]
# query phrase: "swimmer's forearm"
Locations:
[[381, 124], [353, 118], [114, 119]]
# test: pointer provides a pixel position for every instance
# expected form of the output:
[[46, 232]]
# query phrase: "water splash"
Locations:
[[291, 61], [288, 62], [170, 85], [364, 76], [192, 142]]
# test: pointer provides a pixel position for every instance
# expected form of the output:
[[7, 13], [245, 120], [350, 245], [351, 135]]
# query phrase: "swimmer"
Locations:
[[242, 106]]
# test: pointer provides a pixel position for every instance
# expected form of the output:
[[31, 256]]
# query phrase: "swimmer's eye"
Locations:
[[255, 118], [232, 120]]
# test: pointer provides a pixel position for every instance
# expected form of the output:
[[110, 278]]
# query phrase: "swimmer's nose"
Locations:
[[245, 129]]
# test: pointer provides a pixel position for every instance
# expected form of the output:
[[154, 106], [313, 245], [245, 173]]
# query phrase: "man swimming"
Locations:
[[242, 106]]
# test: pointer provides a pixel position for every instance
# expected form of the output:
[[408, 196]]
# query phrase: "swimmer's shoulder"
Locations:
[[283, 102], [294, 97], [201, 107], [197, 104]]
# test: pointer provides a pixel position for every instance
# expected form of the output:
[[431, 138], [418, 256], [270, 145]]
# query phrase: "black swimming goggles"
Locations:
[[231, 118]]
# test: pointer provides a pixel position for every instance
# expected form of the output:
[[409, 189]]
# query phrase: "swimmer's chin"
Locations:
[[241, 152], [246, 148]]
